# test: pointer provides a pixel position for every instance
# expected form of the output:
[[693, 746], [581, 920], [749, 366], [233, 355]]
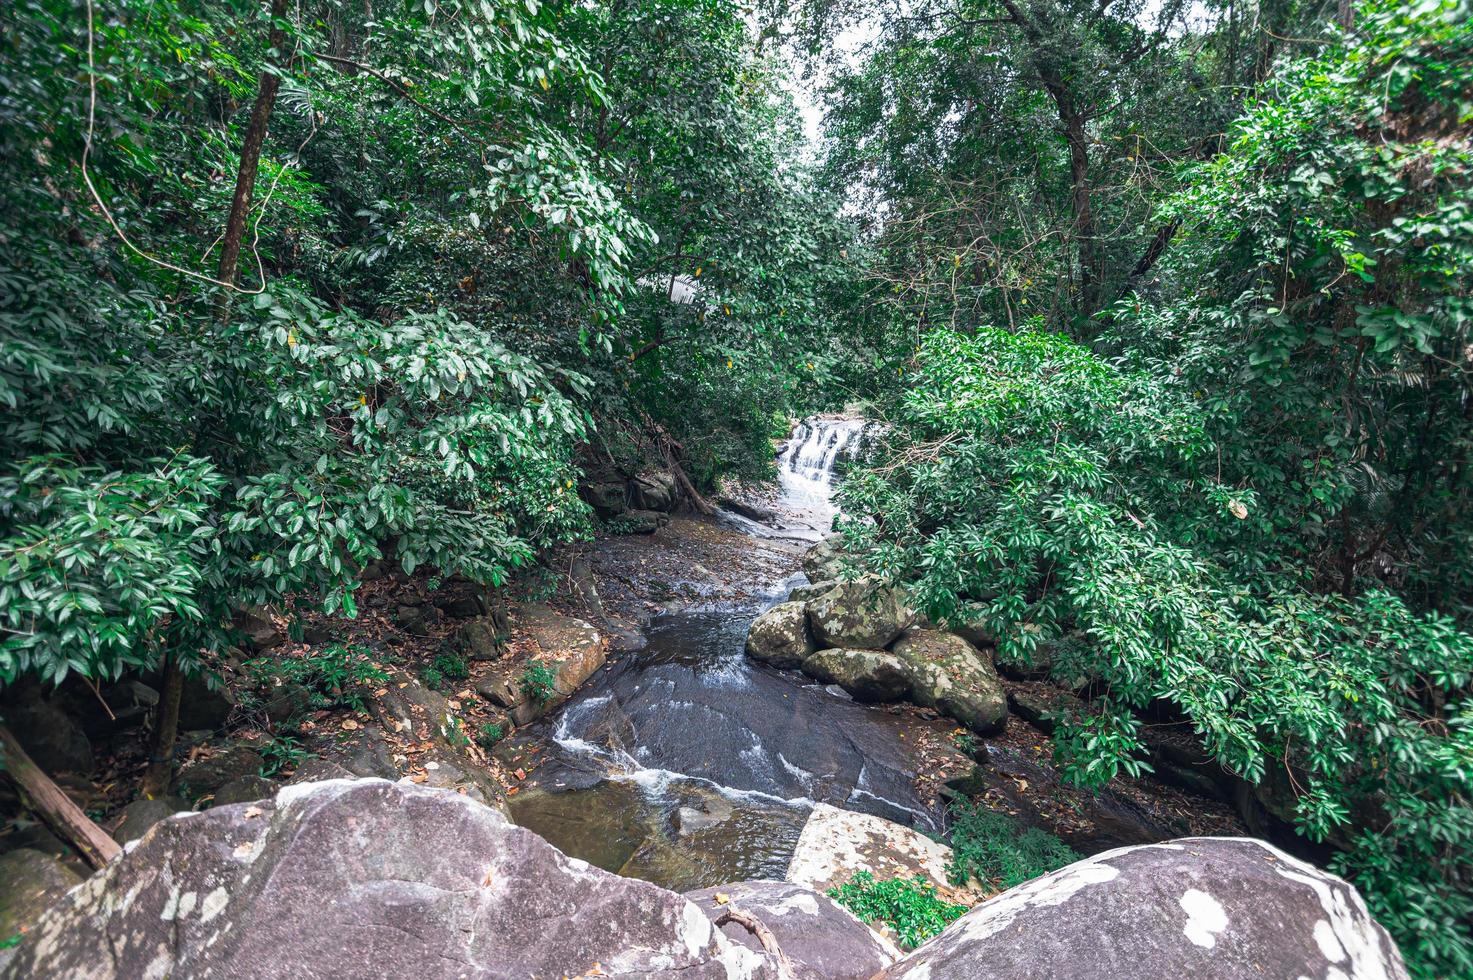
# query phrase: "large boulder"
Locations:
[[220, 767], [480, 639], [824, 561], [138, 817], [863, 613], [868, 675], [1226, 908], [780, 636], [367, 877], [821, 940], [955, 678], [204, 703], [836, 844], [50, 736], [34, 881], [811, 591], [654, 490], [608, 498]]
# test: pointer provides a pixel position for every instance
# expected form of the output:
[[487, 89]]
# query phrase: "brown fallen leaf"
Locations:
[[721, 898], [418, 777], [520, 774], [349, 725]]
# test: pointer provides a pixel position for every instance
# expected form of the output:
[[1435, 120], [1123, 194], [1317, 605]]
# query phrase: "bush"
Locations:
[[451, 666], [336, 675], [911, 908], [280, 754], [539, 682], [996, 849], [491, 734]]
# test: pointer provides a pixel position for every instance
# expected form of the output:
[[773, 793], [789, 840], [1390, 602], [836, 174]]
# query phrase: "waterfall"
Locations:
[[806, 464]]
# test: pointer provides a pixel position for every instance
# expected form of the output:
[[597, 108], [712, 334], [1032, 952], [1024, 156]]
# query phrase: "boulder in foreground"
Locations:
[[1203, 907], [367, 877]]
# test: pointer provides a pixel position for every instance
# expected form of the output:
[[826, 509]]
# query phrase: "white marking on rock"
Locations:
[[1205, 917], [213, 904]]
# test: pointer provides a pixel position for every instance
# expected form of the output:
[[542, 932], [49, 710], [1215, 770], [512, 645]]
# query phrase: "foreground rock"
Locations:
[[1225, 908], [821, 940], [33, 883], [835, 844], [367, 877], [780, 636]]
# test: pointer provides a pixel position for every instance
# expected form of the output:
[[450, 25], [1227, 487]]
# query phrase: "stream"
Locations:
[[689, 765]]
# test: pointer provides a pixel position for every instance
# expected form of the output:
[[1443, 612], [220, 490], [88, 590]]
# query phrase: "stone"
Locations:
[[283, 703], [1040, 706], [318, 634], [867, 675], [820, 938], [780, 636], [500, 690], [1220, 907], [317, 770], [139, 816], [863, 613], [211, 772], [654, 490], [479, 639], [712, 811], [50, 736], [955, 678], [643, 521], [202, 706], [244, 789], [835, 844], [751, 511], [811, 591], [416, 620], [608, 498], [33, 883], [367, 877], [260, 632], [572, 648], [824, 561]]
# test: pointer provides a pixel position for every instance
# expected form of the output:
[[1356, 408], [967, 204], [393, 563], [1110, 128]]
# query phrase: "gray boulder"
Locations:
[[824, 561], [480, 639], [50, 737], [868, 675], [229, 763], [654, 490], [201, 706], [244, 790], [643, 521], [1219, 907], [33, 883], [863, 613], [358, 878], [811, 591], [138, 817], [259, 630], [608, 498], [780, 636], [955, 678], [821, 940]]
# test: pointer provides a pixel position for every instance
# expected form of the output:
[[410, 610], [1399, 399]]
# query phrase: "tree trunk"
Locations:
[[160, 771], [250, 152], [1084, 216], [46, 800]]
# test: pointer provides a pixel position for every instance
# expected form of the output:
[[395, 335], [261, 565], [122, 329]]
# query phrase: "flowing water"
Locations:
[[689, 765]]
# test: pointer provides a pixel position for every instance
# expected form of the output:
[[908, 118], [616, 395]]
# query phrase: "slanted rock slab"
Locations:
[[1220, 907], [835, 844], [820, 938], [354, 878]]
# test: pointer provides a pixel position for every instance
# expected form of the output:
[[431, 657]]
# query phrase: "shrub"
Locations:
[[996, 849], [539, 682], [451, 666], [434, 680], [280, 754], [911, 908], [491, 734], [336, 675]]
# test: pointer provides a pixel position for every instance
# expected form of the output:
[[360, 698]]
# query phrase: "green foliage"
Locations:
[[336, 675], [491, 734], [433, 678], [538, 682], [451, 665], [996, 849], [911, 908], [282, 753]]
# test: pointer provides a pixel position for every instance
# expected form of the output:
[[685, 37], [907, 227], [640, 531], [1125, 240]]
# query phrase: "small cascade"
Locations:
[[806, 464]]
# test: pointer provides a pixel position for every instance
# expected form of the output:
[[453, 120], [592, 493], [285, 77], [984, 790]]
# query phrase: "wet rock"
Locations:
[[807, 593], [780, 636], [862, 613], [244, 790], [1226, 908], [572, 649], [346, 879], [260, 632], [693, 819], [835, 844], [643, 521], [204, 707], [500, 690], [824, 561], [210, 773], [752, 512], [654, 490], [480, 639], [867, 675], [137, 817], [33, 883], [820, 938], [50, 736], [955, 678], [608, 498]]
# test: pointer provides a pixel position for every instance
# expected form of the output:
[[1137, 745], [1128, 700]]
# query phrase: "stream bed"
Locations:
[[689, 765]]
